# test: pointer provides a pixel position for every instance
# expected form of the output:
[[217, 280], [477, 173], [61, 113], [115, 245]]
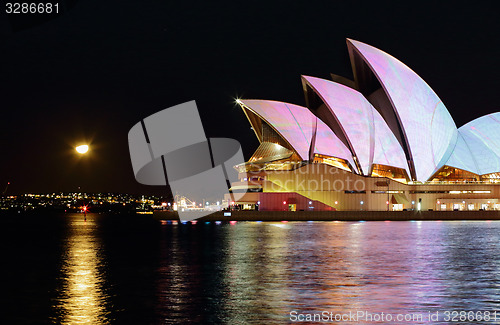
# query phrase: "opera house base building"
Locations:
[[381, 142]]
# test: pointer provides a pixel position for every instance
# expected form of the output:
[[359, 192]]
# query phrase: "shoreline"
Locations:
[[338, 215]]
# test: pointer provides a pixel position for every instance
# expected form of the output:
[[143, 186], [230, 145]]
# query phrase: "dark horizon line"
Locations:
[[82, 192]]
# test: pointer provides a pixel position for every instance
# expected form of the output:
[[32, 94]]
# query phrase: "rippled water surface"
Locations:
[[111, 269]]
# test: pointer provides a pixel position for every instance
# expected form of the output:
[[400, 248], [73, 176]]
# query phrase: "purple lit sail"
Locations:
[[430, 131], [295, 124], [354, 114]]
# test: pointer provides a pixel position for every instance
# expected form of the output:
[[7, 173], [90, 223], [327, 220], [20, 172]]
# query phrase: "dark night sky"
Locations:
[[93, 72]]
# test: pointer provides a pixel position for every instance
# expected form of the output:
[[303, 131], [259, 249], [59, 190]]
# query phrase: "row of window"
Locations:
[[421, 192], [452, 192]]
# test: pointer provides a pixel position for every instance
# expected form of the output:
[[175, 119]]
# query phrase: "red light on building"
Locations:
[[284, 202], [387, 202]]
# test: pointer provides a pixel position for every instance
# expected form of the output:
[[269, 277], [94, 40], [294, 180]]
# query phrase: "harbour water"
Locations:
[[134, 270]]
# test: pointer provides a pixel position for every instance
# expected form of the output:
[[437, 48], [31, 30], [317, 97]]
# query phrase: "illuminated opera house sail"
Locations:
[[384, 140]]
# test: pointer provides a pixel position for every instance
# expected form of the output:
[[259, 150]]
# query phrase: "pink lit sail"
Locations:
[[328, 144], [430, 130], [354, 114], [387, 151], [462, 156], [482, 137], [295, 124]]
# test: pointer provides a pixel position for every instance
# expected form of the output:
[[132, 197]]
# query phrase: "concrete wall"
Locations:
[[341, 215], [282, 201], [328, 184]]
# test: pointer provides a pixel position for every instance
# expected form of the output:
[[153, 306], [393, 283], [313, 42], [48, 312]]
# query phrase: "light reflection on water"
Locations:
[[262, 271], [258, 272], [82, 298]]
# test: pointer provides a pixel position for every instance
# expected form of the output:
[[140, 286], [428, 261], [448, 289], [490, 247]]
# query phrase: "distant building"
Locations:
[[383, 141]]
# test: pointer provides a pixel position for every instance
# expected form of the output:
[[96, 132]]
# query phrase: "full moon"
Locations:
[[82, 149]]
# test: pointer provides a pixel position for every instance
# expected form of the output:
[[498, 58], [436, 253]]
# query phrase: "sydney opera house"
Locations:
[[383, 141]]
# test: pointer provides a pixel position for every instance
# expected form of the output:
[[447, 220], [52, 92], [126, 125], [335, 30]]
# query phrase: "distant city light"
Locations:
[[82, 149]]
